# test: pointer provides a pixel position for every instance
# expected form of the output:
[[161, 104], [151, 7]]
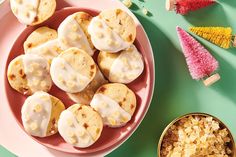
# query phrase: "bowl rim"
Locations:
[[193, 114]]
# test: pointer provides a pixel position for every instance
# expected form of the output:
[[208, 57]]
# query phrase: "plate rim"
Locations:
[[143, 114]]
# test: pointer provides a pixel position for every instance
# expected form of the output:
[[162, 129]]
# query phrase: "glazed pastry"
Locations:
[[73, 70], [39, 36], [43, 41], [122, 67], [116, 104], [40, 114], [72, 32], [80, 125], [33, 12], [28, 74], [86, 95], [112, 30]]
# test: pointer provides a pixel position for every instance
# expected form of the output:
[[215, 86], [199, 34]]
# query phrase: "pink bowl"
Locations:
[[110, 138]]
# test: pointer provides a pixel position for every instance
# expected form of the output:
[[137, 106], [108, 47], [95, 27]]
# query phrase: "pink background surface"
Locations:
[[11, 133]]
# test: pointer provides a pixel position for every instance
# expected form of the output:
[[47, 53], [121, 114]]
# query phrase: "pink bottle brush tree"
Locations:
[[184, 6], [201, 64]]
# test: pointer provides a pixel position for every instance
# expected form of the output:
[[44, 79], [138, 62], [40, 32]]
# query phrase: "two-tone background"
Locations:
[[175, 92]]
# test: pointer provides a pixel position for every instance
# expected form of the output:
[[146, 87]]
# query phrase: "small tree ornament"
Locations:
[[220, 36], [201, 63], [184, 6]]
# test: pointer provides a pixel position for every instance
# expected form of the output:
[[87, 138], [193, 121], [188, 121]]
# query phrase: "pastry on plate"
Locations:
[[80, 125], [122, 67], [39, 36], [40, 113], [116, 104], [86, 95], [112, 30], [43, 41], [33, 12], [29, 73], [73, 70], [73, 32]]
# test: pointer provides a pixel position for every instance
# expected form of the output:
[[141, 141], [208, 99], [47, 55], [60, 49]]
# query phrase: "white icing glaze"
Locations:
[[127, 67], [47, 50], [25, 10], [36, 69], [104, 38], [36, 113], [70, 34], [66, 77], [72, 132], [93, 86], [112, 114]]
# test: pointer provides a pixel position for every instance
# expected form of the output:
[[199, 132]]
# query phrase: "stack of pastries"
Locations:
[[97, 85]]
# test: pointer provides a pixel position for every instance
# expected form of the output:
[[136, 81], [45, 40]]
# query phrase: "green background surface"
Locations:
[[175, 92]]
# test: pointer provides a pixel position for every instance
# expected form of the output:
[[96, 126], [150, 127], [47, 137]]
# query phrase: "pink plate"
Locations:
[[110, 138]]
